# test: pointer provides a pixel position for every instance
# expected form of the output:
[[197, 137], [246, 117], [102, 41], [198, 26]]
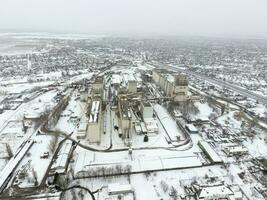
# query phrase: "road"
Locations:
[[240, 90]]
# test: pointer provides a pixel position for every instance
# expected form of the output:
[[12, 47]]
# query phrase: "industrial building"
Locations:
[[124, 83], [116, 81], [173, 86], [125, 117], [191, 128], [216, 192], [94, 123], [60, 164], [98, 87], [180, 88], [130, 82], [81, 134], [169, 125], [151, 126], [146, 110], [147, 116], [210, 152]]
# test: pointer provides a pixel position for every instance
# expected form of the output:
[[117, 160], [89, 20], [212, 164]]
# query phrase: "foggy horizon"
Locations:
[[208, 18]]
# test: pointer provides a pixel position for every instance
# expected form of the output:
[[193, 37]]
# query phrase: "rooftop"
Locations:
[[215, 192], [93, 118]]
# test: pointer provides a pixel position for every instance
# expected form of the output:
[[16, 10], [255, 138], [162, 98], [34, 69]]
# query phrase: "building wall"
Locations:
[[132, 86], [181, 93], [84, 96], [147, 112], [125, 124], [165, 85], [162, 82], [98, 88], [177, 89], [170, 89], [155, 76]]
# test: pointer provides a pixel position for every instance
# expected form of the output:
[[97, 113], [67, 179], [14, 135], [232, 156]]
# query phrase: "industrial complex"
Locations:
[[112, 119]]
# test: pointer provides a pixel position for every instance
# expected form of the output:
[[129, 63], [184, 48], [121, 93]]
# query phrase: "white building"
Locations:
[[130, 82], [146, 110], [215, 192], [147, 115]]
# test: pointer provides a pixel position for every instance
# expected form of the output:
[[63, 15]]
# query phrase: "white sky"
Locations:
[[229, 18]]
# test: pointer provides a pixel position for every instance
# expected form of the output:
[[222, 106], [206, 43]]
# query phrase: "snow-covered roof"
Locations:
[[191, 128], [167, 122], [116, 79], [210, 151], [236, 149], [215, 192], [151, 125], [94, 111], [84, 159], [170, 78], [62, 157], [116, 188], [128, 77]]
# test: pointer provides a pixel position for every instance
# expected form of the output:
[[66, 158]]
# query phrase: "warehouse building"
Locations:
[[94, 123], [60, 164], [210, 152]]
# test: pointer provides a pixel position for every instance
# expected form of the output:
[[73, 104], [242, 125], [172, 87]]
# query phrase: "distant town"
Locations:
[[118, 118]]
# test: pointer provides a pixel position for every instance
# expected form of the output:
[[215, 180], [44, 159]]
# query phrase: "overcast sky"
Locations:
[[219, 18]]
